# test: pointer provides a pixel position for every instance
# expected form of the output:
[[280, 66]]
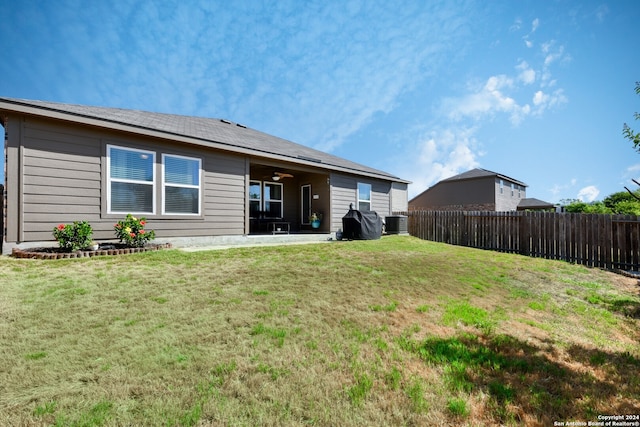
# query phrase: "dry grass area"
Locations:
[[391, 332]]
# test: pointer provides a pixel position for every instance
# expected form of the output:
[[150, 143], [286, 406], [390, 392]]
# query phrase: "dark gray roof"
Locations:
[[210, 132], [482, 173], [533, 203]]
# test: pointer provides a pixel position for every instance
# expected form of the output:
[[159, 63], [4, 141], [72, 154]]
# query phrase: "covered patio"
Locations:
[[282, 200]]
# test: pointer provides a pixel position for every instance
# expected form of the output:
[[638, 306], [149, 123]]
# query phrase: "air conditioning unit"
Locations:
[[396, 224]]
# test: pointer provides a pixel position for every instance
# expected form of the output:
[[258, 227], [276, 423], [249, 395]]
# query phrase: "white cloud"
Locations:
[[555, 190], [315, 74], [527, 74], [517, 24], [560, 191], [441, 154], [447, 152], [588, 194], [553, 53], [601, 13], [534, 25], [543, 101], [539, 98], [486, 101], [633, 169], [498, 94], [630, 173]]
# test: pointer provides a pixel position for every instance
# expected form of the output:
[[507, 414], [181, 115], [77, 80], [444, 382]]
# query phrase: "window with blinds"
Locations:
[[181, 185], [131, 184], [131, 180]]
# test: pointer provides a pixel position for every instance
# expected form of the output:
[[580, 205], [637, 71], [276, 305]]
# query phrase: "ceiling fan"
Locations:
[[277, 176]]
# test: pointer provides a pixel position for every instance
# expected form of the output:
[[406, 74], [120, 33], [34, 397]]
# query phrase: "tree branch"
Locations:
[[631, 192]]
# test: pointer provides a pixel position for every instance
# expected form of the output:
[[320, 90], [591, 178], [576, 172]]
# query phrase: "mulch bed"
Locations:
[[103, 249]]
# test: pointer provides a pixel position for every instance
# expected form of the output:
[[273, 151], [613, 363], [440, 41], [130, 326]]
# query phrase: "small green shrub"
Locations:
[[73, 237], [132, 233]]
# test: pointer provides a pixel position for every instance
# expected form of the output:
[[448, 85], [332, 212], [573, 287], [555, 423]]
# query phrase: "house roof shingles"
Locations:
[[211, 132], [533, 203], [482, 173]]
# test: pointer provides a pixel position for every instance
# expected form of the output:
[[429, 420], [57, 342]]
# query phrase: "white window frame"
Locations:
[[110, 180], [259, 199], [262, 201], [265, 200], [165, 185], [370, 200]]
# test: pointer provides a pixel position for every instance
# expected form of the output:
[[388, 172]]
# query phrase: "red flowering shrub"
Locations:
[[131, 231], [73, 237]]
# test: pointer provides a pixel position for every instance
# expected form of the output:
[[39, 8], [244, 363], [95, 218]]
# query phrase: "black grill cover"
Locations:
[[361, 225]]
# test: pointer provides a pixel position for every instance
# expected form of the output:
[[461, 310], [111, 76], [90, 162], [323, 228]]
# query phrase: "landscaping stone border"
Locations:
[[55, 253]]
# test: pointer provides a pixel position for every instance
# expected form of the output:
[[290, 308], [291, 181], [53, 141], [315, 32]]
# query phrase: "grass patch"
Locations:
[[416, 392], [537, 305], [276, 334], [462, 312], [330, 334], [458, 407], [393, 378], [392, 306], [422, 308], [36, 356], [44, 409], [359, 391]]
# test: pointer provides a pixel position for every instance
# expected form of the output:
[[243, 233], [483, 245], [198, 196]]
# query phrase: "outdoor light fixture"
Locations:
[[275, 178]]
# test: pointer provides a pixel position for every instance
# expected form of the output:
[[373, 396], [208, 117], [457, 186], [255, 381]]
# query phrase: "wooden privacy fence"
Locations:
[[605, 241]]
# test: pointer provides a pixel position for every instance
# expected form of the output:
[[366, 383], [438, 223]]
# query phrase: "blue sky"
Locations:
[[535, 90]]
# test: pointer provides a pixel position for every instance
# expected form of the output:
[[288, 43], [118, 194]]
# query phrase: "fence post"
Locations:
[[463, 229], [524, 237]]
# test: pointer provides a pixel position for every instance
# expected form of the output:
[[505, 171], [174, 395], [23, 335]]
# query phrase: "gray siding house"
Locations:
[[474, 190], [196, 180]]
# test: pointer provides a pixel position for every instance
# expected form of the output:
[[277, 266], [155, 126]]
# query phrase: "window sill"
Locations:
[[155, 217]]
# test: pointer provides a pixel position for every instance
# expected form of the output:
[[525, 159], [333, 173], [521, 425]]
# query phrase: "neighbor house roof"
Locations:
[[482, 173], [533, 203], [209, 132]]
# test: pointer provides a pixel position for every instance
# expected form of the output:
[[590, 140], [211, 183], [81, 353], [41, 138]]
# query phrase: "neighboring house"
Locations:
[[196, 180], [474, 190]]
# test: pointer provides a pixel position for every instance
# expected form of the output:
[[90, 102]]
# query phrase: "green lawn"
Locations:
[[391, 332]]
